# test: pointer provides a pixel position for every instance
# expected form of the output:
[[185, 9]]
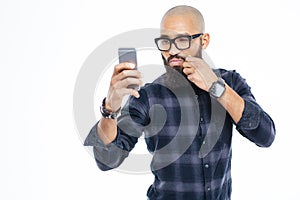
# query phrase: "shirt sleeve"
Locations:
[[255, 124], [130, 127], [107, 156]]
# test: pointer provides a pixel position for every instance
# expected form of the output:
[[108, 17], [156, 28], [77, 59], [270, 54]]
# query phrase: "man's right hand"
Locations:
[[124, 74]]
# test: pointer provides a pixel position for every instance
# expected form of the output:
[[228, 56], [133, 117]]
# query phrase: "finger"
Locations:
[[129, 73], [135, 93], [126, 74], [128, 81], [194, 61], [190, 78], [188, 70], [187, 65], [128, 91], [123, 66], [190, 58]]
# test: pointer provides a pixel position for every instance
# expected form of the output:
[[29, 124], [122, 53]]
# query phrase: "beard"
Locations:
[[175, 76], [176, 79]]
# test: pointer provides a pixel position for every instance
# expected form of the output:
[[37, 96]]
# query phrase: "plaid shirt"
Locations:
[[189, 135]]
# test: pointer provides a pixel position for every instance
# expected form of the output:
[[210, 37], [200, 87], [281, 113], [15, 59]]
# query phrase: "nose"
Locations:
[[173, 50]]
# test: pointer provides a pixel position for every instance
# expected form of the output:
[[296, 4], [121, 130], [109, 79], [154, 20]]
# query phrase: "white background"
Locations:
[[43, 45]]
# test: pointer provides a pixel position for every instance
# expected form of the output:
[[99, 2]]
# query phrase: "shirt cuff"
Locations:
[[93, 139], [250, 118]]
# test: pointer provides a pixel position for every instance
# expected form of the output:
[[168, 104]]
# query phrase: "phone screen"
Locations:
[[128, 55]]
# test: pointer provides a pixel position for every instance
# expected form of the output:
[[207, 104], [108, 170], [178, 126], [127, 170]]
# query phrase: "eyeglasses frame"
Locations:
[[172, 41]]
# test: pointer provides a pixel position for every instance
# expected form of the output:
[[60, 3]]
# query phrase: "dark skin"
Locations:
[[193, 66]]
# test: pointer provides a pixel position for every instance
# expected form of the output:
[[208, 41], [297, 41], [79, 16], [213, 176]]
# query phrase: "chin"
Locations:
[[175, 77], [177, 68]]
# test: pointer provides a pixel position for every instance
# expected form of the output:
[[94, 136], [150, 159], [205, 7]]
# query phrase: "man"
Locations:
[[186, 115]]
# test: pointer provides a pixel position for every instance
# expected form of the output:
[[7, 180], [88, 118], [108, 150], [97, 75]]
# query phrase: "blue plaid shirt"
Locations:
[[189, 135]]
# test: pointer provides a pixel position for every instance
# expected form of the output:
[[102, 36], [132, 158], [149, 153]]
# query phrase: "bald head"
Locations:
[[186, 11]]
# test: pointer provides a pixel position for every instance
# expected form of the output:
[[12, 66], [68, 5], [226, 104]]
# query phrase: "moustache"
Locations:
[[175, 56]]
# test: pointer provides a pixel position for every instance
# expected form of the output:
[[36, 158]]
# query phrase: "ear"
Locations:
[[205, 38]]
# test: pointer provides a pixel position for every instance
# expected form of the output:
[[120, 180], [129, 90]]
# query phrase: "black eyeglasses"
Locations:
[[181, 42]]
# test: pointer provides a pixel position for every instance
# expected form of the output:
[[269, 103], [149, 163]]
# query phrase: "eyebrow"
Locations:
[[182, 34]]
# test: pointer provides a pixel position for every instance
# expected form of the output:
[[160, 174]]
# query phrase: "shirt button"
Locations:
[[206, 166], [208, 189], [203, 142], [201, 119], [196, 96]]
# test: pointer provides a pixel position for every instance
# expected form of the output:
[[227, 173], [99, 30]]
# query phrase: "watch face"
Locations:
[[217, 89]]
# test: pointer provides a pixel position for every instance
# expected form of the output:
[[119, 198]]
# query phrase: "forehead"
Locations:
[[178, 25]]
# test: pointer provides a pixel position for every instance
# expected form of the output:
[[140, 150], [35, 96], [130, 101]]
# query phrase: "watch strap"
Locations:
[[107, 114]]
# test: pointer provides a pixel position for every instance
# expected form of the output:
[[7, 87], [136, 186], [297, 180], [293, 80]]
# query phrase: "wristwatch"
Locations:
[[106, 114], [217, 89]]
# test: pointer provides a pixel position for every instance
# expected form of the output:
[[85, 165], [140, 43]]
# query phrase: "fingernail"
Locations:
[[131, 65]]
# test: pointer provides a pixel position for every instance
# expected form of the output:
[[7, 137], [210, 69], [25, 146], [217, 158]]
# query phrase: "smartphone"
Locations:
[[128, 55]]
